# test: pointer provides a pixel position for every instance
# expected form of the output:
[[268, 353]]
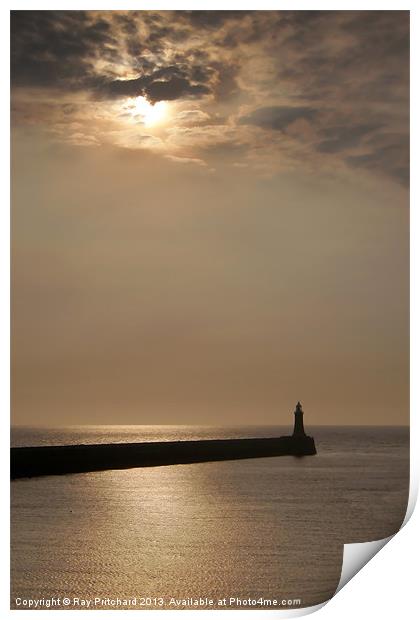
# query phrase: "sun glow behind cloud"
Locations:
[[150, 114]]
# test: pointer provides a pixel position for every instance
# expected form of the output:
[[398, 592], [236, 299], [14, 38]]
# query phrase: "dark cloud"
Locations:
[[226, 85], [52, 48], [174, 88], [165, 84], [356, 56], [211, 19], [392, 160], [342, 137], [277, 117], [353, 66]]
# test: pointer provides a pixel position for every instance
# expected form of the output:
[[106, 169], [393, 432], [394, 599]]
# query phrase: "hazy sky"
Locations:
[[210, 217]]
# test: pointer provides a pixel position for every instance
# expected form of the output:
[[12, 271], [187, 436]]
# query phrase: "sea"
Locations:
[[224, 535]]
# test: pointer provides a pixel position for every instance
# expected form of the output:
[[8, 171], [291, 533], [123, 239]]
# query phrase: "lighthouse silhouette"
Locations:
[[299, 430]]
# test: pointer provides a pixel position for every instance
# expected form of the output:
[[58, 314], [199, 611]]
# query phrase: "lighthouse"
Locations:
[[299, 431]]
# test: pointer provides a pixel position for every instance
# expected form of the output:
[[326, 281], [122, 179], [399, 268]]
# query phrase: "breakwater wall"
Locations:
[[55, 460]]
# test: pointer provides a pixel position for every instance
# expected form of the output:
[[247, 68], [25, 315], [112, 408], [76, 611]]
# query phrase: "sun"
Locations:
[[152, 114]]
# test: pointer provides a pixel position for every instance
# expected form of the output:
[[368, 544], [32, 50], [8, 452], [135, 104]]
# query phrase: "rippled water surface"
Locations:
[[272, 527]]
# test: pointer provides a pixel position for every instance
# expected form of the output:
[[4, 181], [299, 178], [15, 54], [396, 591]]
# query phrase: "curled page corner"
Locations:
[[356, 556], [304, 611], [412, 498]]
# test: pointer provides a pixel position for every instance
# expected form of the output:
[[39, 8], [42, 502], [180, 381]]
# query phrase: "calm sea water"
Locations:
[[271, 528]]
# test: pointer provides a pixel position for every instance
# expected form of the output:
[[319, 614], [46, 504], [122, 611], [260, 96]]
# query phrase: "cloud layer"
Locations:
[[281, 90]]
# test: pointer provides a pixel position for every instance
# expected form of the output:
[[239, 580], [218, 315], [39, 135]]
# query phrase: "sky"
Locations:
[[210, 217]]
